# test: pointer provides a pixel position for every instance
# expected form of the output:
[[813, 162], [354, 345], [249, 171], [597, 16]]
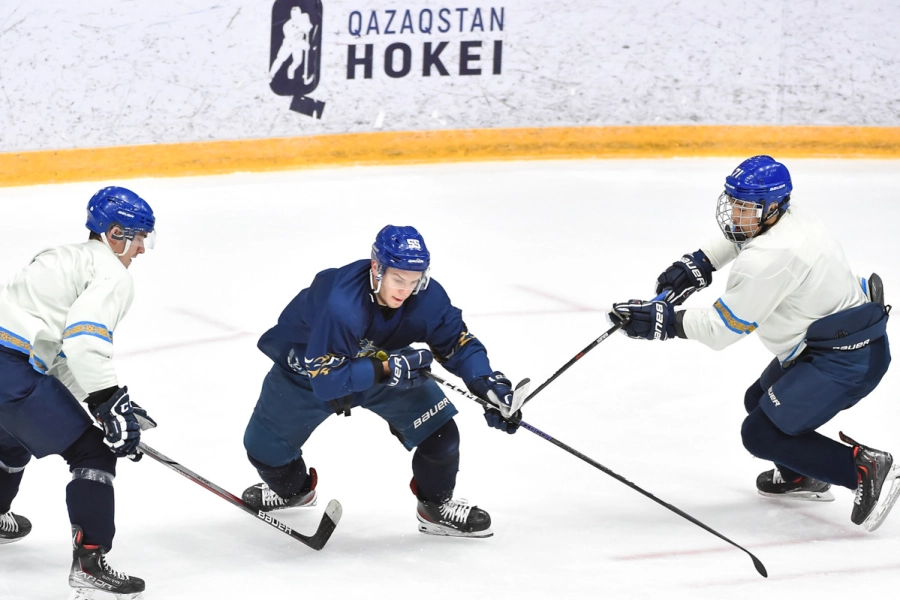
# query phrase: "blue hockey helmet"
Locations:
[[401, 247], [760, 183], [119, 206]]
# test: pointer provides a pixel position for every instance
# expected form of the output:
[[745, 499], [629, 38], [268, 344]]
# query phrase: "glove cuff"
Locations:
[[379, 369], [679, 325], [95, 399]]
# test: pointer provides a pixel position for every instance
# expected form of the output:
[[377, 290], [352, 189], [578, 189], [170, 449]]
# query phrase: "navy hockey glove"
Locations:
[[693, 272], [497, 390], [122, 423], [495, 419], [405, 366], [654, 320]]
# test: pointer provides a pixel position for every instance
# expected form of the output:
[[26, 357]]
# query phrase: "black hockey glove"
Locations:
[[405, 366], [693, 272], [122, 422], [654, 320]]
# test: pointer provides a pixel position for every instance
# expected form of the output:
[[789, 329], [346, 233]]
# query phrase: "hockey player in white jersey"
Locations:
[[791, 284], [57, 317]]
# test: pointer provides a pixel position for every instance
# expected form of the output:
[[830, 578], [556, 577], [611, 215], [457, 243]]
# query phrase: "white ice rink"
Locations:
[[533, 253]]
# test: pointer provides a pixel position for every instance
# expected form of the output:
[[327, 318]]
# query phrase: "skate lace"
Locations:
[[270, 498], [857, 500], [776, 477], [8, 522], [456, 510], [109, 570]]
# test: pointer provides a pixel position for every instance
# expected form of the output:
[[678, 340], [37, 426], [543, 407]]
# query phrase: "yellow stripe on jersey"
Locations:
[[733, 323]]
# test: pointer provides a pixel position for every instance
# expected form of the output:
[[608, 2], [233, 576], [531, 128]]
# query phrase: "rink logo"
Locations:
[[400, 59], [431, 412], [273, 522], [295, 53], [773, 398]]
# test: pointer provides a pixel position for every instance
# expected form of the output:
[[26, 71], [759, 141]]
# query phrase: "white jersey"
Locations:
[[780, 283], [62, 309]]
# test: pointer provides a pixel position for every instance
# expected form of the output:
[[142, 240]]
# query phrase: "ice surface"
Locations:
[[533, 252]]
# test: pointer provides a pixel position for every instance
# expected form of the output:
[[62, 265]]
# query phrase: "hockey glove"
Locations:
[[405, 366], [497, 389], [122, 423], [693, 272], [494, 419], [654, 320]]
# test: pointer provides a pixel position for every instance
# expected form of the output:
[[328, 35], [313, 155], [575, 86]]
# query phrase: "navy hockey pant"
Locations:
[[40, 417], [786, 406], [287, 413]]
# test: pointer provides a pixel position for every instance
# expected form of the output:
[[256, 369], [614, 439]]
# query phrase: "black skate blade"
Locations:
[[886, 502], [801, 496], [93, 594]]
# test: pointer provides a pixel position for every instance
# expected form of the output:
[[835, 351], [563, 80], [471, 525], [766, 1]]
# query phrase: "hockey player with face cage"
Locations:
[[345, 342], [57, 317], [790, 283]]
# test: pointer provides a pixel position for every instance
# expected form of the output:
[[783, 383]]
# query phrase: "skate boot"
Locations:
[[773, 485], [13, 527], [874, 470], [261, 497], [455, 518], [91, 573]]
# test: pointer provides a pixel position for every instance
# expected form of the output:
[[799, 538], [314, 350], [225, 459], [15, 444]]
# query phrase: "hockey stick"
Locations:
[[315, 541], [578, 356], [761, 569]]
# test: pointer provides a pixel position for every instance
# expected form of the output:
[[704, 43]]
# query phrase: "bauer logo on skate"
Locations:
[[431, 412], [295, 53]]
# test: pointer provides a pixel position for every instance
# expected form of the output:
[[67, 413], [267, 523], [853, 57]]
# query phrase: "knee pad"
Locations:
[[88, 474], [9, 468], [89, 452], [442, 445], [759, 434]]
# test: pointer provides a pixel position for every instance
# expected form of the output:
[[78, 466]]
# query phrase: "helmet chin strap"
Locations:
[[373, 278], [118, 239], [764, 226]]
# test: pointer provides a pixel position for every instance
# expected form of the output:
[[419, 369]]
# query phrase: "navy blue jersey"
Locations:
[[335, 332]]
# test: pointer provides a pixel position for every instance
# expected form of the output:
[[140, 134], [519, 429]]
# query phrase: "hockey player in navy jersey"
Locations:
[[57, 318], [345, 342], [791, 284]]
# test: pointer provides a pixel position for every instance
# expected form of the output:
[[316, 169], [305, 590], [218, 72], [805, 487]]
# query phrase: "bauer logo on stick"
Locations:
[[295, 55]]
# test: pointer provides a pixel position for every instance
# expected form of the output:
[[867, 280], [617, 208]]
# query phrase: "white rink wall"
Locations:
[[115, 73]]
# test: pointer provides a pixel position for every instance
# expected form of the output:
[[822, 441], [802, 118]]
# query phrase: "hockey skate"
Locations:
[[874, 469], [13, 527], [456, 518], [91, 573], [261, 497], [772, 485]]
